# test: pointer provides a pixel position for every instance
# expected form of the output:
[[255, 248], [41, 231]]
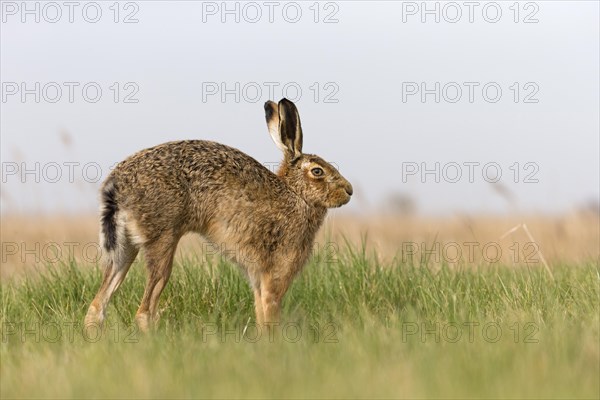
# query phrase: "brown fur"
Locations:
[[264, 222]]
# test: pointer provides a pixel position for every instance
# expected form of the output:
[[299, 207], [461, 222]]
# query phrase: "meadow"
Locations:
[[362, 320]]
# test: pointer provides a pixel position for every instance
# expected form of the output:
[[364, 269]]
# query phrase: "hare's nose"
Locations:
[[349, 190]]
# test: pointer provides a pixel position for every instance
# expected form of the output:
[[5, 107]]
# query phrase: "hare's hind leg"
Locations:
[[116, 265], [159, 258]]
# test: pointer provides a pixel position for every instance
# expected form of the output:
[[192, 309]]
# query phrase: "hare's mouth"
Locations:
[[343, 200]]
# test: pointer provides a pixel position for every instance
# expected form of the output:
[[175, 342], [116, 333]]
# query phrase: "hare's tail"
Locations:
[[108, 218]]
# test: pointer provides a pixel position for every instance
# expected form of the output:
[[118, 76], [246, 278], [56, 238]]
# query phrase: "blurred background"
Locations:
[[431, 109]]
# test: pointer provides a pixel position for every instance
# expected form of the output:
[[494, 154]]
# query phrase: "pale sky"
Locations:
[[361, 77]]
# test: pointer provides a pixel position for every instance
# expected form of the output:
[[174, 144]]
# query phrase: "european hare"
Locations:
[[151, 199]]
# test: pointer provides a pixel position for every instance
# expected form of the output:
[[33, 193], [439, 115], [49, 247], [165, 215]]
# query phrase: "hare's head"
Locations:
[[313, 178]]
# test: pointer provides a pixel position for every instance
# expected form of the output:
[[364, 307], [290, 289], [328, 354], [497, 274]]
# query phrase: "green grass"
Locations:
[[354, 329]]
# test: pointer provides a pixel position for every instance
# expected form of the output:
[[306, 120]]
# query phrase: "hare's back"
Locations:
[[182, 162], [176, 175]]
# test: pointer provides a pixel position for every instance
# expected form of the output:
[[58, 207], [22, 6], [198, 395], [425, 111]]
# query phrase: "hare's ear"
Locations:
[[284, 126], [272, 116], [290, 129]]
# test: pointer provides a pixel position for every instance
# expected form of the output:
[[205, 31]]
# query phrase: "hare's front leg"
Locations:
[[273, 287], [260, 316]]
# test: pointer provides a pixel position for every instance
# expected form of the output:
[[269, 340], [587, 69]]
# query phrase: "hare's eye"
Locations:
[[317, 171]]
